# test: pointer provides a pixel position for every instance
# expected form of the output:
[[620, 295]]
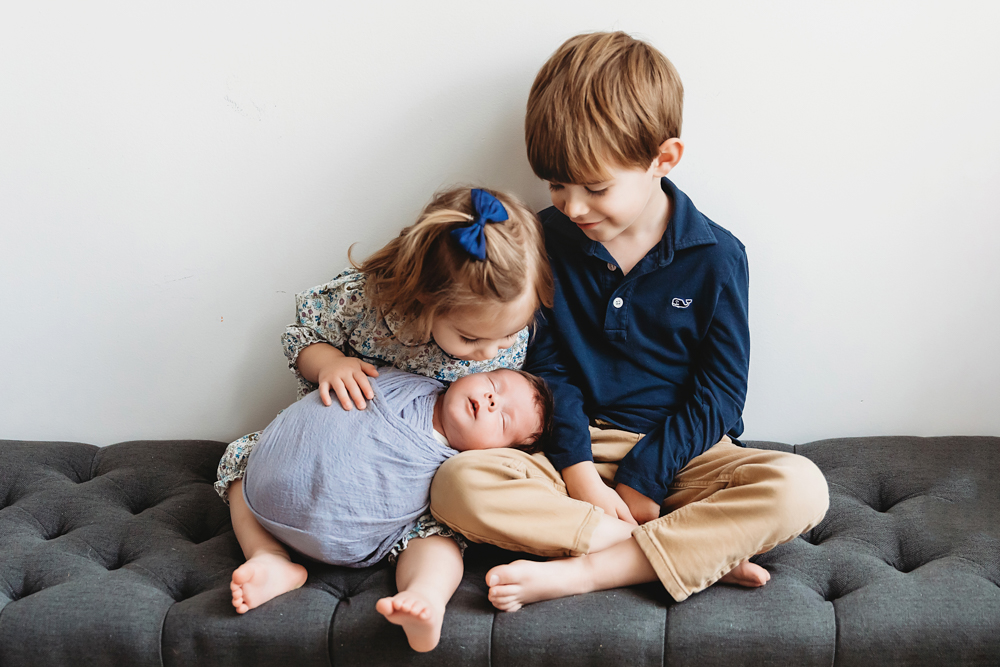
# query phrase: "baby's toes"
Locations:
[[503, 591], [506, 604]]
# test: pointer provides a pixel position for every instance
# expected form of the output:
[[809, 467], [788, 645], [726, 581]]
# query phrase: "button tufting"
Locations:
[[54, 534]]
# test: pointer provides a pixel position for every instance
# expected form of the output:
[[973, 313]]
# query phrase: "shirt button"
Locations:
[[617, 303], [612, 267]]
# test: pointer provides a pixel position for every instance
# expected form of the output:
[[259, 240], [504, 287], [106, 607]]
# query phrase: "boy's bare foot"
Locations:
[[263, 577], [525, 581], [420, 618], [747, 574]]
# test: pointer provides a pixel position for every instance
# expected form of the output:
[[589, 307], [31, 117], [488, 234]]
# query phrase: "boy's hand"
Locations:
[[348, 378], [583, 482], [643, 508]]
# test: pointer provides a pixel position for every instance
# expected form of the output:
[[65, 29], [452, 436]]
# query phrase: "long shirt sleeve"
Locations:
[[715, 405], [663, 350]]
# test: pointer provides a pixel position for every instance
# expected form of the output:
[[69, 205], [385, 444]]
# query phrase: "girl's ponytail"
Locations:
[[424, 271]]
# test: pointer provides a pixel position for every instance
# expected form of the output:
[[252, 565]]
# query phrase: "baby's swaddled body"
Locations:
[[343, 486]]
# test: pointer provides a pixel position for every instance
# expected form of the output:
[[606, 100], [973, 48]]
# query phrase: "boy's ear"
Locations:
[[671, 152]]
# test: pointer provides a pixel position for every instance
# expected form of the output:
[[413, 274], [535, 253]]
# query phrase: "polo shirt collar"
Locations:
[[687, 228]]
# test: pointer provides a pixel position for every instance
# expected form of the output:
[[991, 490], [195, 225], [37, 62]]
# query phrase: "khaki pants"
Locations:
[[723, 507]]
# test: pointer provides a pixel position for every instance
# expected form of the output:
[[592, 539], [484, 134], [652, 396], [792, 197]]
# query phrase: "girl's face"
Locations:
[[479, 333]]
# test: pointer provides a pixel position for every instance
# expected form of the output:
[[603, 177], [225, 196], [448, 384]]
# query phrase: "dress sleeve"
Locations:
[[715, 406], [324, 314], [234, 463]]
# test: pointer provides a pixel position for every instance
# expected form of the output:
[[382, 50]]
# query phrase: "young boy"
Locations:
[[647, 351]]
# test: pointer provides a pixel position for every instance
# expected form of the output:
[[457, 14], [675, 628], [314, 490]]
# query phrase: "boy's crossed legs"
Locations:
[[724, 506]]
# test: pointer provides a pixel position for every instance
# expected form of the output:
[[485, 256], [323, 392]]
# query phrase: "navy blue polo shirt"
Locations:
[[664, 350]]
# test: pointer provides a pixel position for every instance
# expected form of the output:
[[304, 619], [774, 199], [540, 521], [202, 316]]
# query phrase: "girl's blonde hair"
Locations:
[[424, 272]]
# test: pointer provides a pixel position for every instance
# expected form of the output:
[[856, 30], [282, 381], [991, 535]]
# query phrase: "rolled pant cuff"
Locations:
[[586, 532], [660, 561]]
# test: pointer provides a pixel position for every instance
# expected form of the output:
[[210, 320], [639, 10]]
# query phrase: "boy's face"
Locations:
[[630, 202], [488, 410]]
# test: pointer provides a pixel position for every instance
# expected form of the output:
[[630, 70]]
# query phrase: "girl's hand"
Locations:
[[348, 378], [642, 507]]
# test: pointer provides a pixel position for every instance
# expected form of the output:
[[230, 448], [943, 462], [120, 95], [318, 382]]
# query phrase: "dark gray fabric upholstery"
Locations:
[[122, 556]]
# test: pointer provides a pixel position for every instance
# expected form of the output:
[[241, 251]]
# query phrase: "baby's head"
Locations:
[[601, 100], [502, 408], [473, 307]]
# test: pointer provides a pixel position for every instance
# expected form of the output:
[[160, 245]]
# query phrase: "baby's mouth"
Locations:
[[475, 407]]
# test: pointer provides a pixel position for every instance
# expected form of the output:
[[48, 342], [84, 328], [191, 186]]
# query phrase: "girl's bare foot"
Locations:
[[420, 618], [747, 574], [525, 581], [263, 577]]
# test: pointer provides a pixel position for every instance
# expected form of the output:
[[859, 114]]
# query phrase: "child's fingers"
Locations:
[[369, 369], [355, 392], [342, 395], [366, 387], [625, 515], [324, 393]]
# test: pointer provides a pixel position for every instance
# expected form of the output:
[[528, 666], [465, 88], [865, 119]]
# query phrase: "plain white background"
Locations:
[[172, 173]]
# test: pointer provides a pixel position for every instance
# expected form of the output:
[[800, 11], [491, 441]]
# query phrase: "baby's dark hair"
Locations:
[[540, 439]]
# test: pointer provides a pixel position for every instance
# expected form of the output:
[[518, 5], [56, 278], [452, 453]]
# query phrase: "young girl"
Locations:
[[452, 295]]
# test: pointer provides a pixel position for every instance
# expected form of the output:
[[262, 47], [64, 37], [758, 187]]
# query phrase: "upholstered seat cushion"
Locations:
[[122, 555]]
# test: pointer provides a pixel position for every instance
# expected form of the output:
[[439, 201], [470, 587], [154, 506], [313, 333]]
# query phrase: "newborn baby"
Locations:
[[345, 487]]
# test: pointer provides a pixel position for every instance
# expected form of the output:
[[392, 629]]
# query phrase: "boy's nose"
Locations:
[[575, 207]]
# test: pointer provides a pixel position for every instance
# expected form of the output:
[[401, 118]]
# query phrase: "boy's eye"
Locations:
[[598, 193], [469, 341], [554, 186]]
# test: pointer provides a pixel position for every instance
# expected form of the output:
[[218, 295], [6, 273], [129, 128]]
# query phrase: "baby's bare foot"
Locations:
[[525, 581], [263, 577], [420, 618], [747, 574]]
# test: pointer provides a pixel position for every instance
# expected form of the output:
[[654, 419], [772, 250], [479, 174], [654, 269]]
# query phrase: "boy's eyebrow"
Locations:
[[586, 185]]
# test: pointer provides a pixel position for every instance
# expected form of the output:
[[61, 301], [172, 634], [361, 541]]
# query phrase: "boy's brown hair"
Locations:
[[602, 99], [423, 272]]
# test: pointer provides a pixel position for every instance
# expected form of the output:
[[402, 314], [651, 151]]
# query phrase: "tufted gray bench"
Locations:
[[122, 556]]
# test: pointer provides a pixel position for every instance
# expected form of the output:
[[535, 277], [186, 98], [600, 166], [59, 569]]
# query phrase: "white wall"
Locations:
[[172, 173]]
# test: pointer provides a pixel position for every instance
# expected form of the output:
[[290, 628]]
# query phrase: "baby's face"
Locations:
[[488, 410]]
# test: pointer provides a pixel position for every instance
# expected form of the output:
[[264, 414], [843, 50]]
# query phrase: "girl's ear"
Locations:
[[671, 152]]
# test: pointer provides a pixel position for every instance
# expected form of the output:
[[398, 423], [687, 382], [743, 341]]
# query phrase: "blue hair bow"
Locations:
[[472, 237]]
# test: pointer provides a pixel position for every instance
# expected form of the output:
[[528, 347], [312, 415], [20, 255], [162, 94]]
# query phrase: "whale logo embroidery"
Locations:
[[680, 303]]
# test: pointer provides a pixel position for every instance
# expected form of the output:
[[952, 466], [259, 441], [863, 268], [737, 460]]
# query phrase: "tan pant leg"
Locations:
[[514, 500], [727, 505], [519, 501]]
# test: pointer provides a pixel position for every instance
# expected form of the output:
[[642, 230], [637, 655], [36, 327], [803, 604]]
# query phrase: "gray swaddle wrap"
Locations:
[[343, 486]]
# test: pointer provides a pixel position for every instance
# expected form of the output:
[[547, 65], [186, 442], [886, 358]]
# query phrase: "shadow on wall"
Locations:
[[470, 133]]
